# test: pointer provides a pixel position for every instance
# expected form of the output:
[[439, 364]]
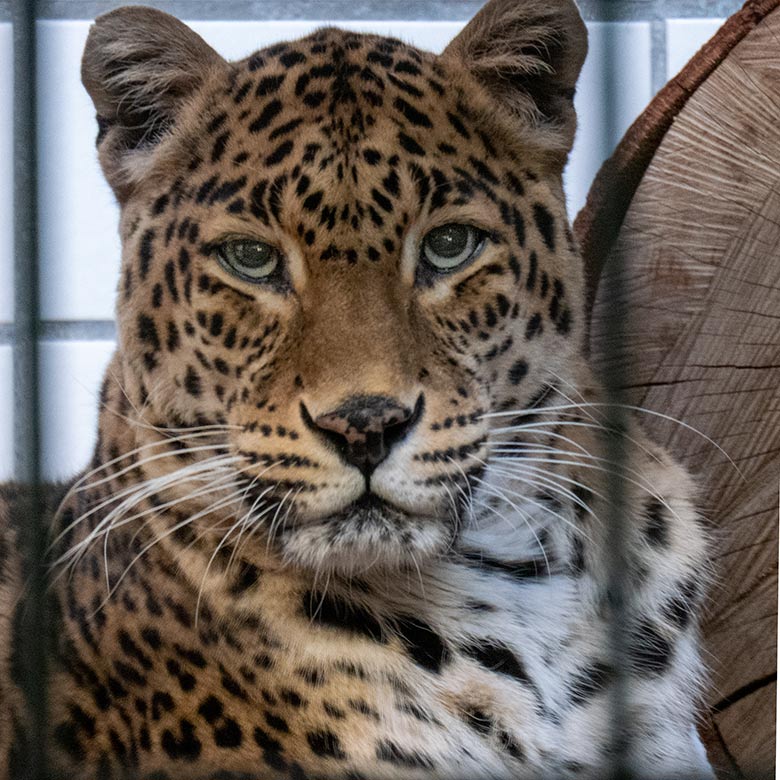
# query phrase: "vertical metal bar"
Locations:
[[25, 245], [619, 595], [31, 644]]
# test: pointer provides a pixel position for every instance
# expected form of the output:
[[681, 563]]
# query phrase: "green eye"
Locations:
[[253, 261], [450, 246]]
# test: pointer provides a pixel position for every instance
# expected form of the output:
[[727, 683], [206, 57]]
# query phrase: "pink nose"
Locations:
[[366, 427]]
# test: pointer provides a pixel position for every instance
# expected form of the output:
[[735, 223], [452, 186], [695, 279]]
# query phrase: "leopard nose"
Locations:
[[366, 427]]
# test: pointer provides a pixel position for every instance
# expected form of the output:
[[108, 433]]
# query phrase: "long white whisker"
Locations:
[[213, 487], [272, 525], [289, 509], [519, 453], [235, 498], [530, 428], [150, 459], [112, 522], [137, 493], [532, 411], [628, 407], [253, 521], [549, 480], [506, 491], [79, 485], [465, 478], [647, 488], [492, 490], [115, 518], [245, 518], [225, 483], [209, 465]]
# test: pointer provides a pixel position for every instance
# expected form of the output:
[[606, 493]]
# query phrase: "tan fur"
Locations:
[[523, 52], [10, 588]]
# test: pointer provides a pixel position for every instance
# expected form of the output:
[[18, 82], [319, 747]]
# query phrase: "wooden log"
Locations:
[[687, 213]]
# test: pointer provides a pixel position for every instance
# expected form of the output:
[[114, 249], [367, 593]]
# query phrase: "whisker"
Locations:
[[523, 516], [136, 493], [628, 407], [246, 518], [77, 486], [152, 511], [290, 507], [253, 522], [644, 487], [272, 526], [112, 522], [521, 457], [215, 487], [211, 508], [465, 478], [530, 411], [151, 459], [576, 423], [506, 491], [529, 428], [547, 480]]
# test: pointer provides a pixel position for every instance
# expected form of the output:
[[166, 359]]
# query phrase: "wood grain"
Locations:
[[698, 255]]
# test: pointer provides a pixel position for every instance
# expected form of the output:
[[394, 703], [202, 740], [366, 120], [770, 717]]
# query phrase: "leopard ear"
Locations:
[[139, 67], [528, 55]]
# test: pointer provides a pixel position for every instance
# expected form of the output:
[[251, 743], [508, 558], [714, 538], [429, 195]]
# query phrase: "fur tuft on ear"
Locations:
[[139, 67], [528, 55]]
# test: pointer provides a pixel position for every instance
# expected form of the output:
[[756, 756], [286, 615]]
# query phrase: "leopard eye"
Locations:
[[450, 246], [254, 261]]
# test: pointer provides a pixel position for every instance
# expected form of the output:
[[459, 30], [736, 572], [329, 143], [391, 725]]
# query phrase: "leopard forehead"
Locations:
[[342, 141], [344, 149]]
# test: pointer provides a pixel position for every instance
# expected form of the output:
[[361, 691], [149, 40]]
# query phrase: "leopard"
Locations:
[[360, 505]]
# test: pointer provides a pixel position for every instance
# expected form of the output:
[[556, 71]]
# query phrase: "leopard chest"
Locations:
[[324, 681]]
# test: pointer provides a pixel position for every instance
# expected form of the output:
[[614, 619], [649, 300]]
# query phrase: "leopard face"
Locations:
[[346, 257]]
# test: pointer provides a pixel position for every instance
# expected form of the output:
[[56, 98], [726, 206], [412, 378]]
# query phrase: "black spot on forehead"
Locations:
[[336, 133], [352, 72]]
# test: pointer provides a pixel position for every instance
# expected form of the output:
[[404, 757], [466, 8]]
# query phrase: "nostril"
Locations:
[[364, 428], [396, 431], [330, 429]]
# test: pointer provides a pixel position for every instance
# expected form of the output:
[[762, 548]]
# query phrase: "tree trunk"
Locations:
[[687, 212]]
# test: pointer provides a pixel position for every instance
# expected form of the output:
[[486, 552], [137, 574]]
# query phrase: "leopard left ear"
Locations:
[[140, 67], [528, 55]]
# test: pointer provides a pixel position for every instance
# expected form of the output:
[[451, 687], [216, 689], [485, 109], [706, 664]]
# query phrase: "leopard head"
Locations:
[[347, 258]]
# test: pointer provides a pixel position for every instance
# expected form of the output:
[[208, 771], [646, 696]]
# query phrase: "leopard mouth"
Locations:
[[369, 510], [369, 533]]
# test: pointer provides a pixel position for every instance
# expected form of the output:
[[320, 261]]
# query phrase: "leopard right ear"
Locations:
[[528, 55], [140, 66]]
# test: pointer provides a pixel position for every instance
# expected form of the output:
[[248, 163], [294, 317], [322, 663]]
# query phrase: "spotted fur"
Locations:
[[352, 521]]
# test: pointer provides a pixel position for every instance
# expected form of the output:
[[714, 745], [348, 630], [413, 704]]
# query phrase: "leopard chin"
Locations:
[[368, 535]]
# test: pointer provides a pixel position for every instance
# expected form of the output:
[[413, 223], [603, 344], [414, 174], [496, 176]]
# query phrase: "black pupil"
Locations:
[[449, 241], [252, 255]]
